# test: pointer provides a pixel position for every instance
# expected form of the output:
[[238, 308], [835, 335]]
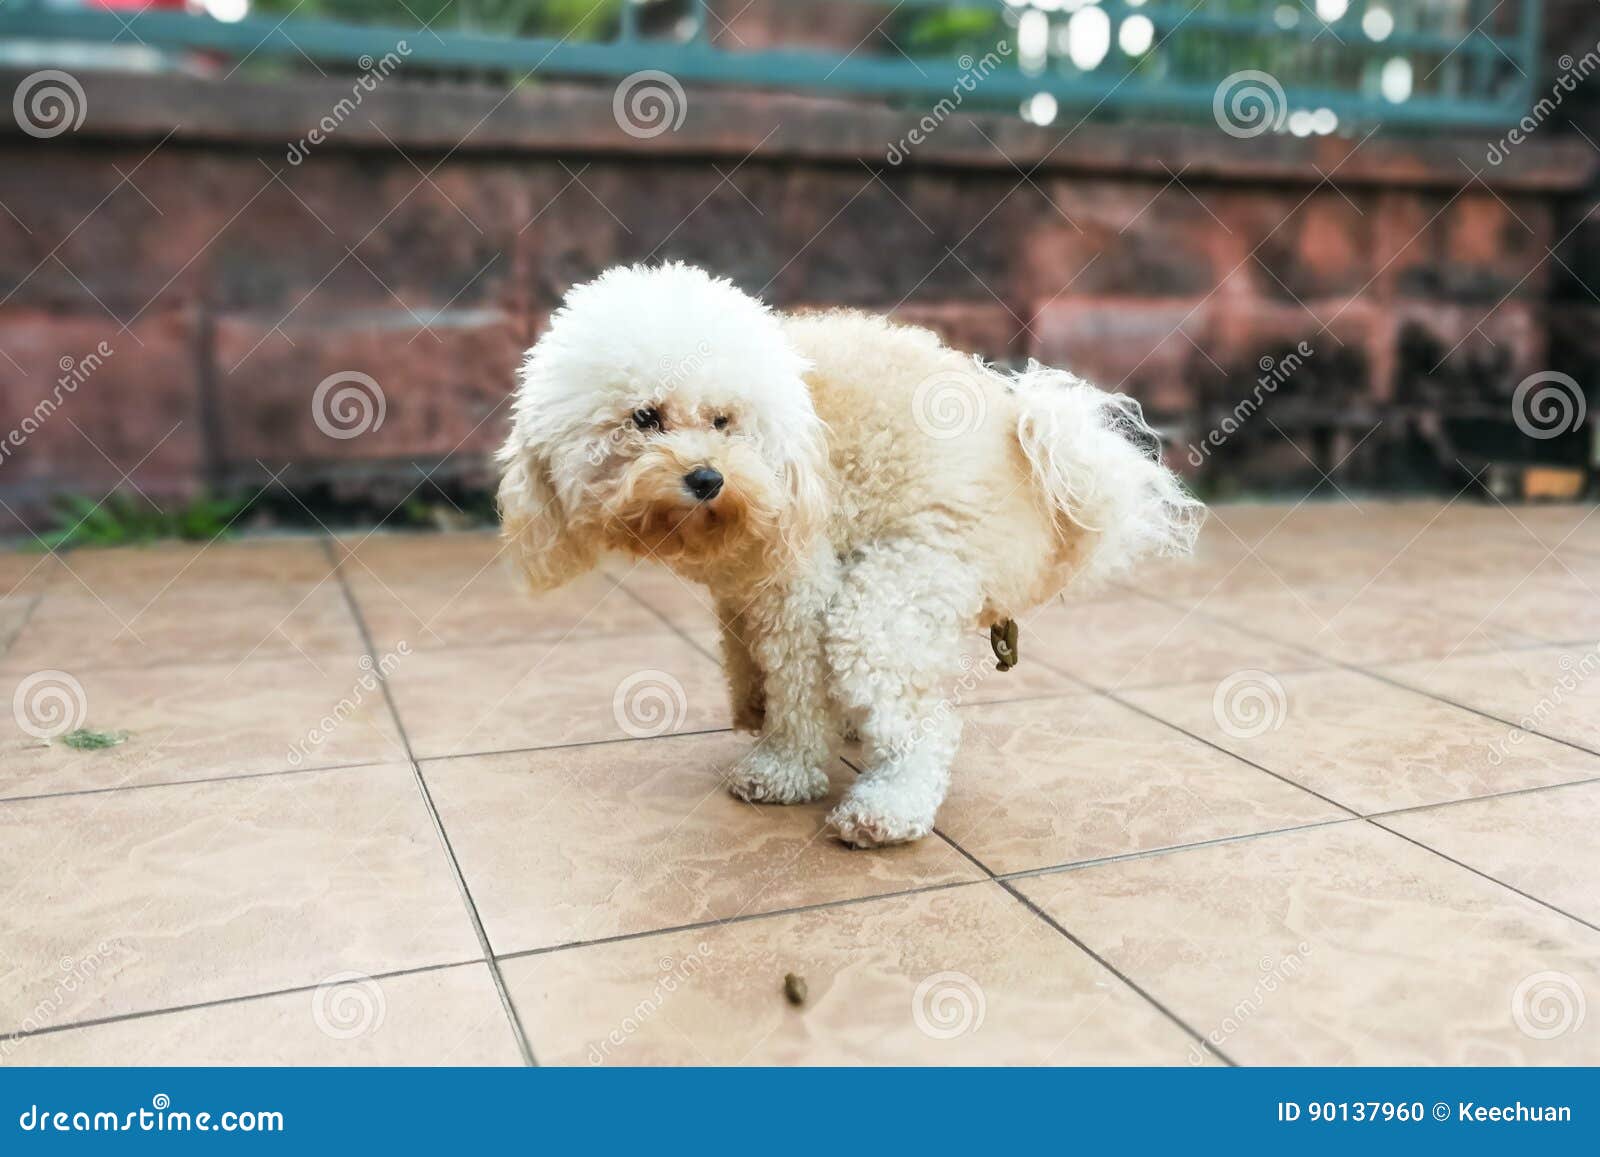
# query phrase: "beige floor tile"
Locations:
[[465, 700], [168, 896], [1364, 743], [419, 557], [186, 568], [682, 603], [984, 978], [494, 607], [1057, 781], [222, 602], [446, 1016], [1551, 690], [1336, 945], [1137, 642], [1546, 843], [1382, 623], [15, 610], [582, 843], [192, 721], [213, 624], [26, 572], [1555, 599]]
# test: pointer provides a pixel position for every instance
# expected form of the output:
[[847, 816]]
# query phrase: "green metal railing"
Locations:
[[1459, 63]]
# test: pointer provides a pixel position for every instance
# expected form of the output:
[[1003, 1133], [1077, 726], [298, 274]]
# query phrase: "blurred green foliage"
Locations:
[[576, 19], [125, 518]]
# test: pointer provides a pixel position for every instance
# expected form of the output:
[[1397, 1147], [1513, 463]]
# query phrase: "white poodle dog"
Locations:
[[854, 494]]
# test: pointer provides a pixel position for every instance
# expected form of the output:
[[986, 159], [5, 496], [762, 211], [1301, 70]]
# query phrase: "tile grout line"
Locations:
[[1485, 875], [1006, 886], [515, 1021], [221, 1001], [1329, 662], [1371, 818], [204, 779], [738, 918]]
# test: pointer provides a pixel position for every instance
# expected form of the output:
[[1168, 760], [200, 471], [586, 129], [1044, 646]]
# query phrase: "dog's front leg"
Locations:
[[783, 623], [893, 639]]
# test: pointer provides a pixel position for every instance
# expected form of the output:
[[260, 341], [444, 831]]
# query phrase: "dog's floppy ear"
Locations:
[[805, 476], [535, 525]]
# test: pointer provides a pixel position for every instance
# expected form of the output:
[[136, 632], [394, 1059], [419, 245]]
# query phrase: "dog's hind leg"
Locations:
[[893, 640], [783, 624]]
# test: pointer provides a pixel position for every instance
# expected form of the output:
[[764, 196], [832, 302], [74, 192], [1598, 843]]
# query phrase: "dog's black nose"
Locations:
[[703, 482]]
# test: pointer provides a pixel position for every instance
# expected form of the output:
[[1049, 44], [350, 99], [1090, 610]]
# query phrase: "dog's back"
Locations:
[[1036, 479]]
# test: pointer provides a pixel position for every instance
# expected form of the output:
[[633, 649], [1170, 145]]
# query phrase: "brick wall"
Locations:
[[425, 242]]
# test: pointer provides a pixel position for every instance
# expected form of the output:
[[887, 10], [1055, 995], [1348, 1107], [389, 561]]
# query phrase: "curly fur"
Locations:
[[859, 531]]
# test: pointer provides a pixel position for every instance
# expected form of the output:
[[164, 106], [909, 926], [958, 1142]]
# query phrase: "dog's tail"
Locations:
[[1097, 463]]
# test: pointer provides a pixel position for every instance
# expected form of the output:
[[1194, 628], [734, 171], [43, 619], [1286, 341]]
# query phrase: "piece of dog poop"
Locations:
[[794, 989], [1003, 638]]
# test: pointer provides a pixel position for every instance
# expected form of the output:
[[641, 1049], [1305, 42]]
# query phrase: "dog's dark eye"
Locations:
[[720, 422], [647, 419]]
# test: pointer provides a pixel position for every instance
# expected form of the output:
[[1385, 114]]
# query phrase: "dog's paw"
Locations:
[[870, 816], [761, 777]]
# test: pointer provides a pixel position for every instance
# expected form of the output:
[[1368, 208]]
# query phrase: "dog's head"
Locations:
[[663, 413]]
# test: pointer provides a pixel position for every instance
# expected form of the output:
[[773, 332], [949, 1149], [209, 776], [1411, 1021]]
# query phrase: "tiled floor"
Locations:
[[1330, 793]]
